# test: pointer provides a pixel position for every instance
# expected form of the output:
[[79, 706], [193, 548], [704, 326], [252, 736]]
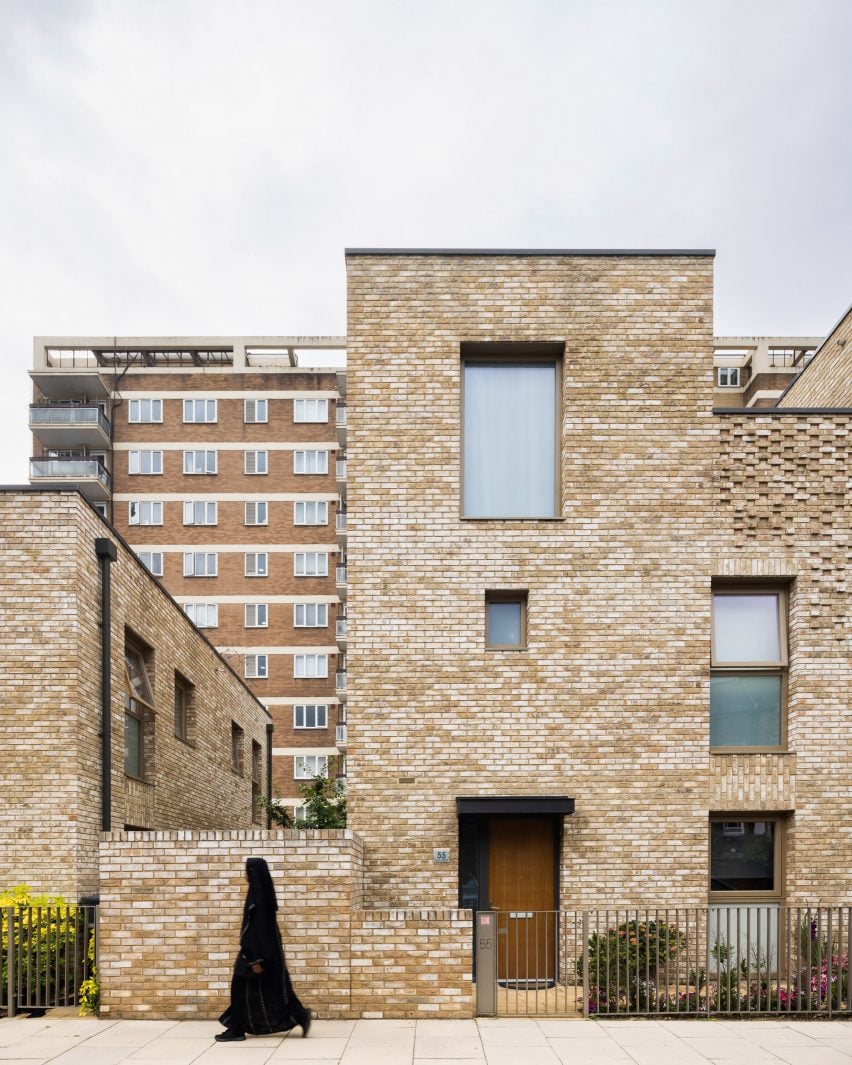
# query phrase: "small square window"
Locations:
[[745, 858], [256, 462], [256, 564], [506, 620], [199, 410], [256, 667], [152, 561], [256, 616], [256, 514]]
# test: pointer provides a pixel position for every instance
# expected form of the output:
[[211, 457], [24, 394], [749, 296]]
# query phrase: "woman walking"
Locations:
[[262, 997]]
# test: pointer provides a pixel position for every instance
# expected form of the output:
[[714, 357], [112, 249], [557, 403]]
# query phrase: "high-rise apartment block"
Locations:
[[222, 462]]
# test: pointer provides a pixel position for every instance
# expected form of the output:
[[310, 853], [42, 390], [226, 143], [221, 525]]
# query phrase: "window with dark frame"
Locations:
[[511, 430], [506, 620], [748, 676], [745, 858], [237, 748], [256, 773], [138, 710], [184, 701]]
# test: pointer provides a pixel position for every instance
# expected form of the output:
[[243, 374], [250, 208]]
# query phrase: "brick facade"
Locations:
[[50, 774], [827, 381]]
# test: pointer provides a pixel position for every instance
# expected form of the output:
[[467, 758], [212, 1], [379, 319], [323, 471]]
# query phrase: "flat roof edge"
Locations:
[[760, 412], [539, 252]]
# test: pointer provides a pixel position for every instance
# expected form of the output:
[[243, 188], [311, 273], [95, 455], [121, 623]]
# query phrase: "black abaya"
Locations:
[[263, 1002]]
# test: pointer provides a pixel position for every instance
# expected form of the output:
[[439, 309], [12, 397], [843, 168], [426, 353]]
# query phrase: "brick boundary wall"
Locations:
[[171, 904]]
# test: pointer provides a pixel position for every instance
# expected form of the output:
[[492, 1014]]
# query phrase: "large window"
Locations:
[[310, 462], [748, 669], [202, 615], [745, 858], [310, 715], [145, 410], [310, 410], [200, 512], [145, 512], [310, 512], [308, 766], [510, 438], [138, 711], [200, 563], [310, 564], [148, 462], [310, 615], [309, 666]]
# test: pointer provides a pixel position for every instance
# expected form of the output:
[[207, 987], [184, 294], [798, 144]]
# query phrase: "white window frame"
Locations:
[[200, 461], [731, 375], [259, 412], [302, 615], [152, 507], [310, 411], [206, 508], [205, 407], [137, 408], [258, 570], [310, 512], [301, 713], [138, 460], [209, 567], [310, 666], [202, 615], [256, 615], [301, 567], [308, 766], [256, 667], [303, 460], [261, 459], [152, 561], [256, 513]]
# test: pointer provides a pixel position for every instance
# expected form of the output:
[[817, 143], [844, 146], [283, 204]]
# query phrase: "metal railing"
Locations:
[[340, 521], [710, 961], [47, 952], [74, 415], [341, 414], [341, 469], [77, 469], [341, 575], [340, 628], [340, 682]]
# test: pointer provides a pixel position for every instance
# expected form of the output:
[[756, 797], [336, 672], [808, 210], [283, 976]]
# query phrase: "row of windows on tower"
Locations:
[[256, 615], [255, 564], [206, 411], [149, 462], [206, 512]]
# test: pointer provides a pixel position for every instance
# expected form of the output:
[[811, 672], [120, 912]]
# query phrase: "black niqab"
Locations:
[[263, 1002]]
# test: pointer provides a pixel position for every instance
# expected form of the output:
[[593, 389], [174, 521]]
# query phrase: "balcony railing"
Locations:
[[341, 415], [340, 522], [340, 735], [340, 628], [70, 469], [341, 469], [340, 682], [341, 575], [74, 415]]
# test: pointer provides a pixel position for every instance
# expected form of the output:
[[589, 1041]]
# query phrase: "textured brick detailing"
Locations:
[[50, 645], [753, 782]]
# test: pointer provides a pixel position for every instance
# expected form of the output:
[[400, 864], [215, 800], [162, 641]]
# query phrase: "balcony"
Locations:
[[340, 628], [69, 373], [340, 682], [341, 576], [340, 522], [341, 469], [69, 424], [341, 424], [340, 736], [87, 474]]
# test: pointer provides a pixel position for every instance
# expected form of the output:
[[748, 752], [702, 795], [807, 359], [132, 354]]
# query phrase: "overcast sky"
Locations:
[[198, 166]]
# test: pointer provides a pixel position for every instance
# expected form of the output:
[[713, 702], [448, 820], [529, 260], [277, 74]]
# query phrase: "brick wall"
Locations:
[[827, 381], [51, 768], [610, 672], [171, 905], [785, 513]]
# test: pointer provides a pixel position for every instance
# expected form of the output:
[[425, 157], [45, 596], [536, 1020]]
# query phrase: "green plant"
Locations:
[[325, 804], [278, 815], [90, 989], [626, 964]]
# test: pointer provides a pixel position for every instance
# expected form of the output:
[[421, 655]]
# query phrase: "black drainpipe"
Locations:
[[106, 552], [269, 728]]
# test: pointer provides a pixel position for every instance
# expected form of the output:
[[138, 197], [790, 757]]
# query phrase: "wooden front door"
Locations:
[[522, 890]]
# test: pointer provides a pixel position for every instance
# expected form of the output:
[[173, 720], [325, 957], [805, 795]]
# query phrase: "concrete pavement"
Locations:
[[512, 1041]]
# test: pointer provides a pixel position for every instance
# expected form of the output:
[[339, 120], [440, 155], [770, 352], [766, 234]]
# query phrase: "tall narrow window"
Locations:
[[256, 779], [184, 699], [138, 712], [748, 669], [238, 739], [510, 467]]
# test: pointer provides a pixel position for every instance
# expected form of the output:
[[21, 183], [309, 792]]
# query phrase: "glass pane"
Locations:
[[509, 441], [138, 677], [746, 628], [745, 711], [742, 856], [132, 746], [504, 623]]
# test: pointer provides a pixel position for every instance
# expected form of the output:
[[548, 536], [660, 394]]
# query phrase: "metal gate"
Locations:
[[46, 953], [735, 960]]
